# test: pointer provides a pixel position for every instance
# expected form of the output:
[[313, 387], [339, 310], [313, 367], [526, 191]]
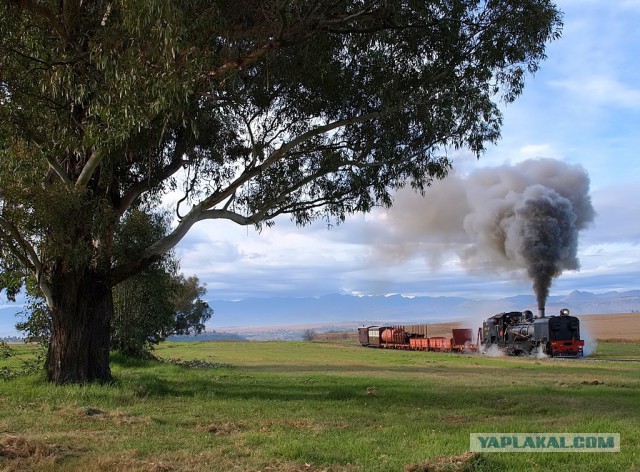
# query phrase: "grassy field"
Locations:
[[318, 406]]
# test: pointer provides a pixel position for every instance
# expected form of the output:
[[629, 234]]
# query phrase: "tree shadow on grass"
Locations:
[[434, 386], [325, 389]]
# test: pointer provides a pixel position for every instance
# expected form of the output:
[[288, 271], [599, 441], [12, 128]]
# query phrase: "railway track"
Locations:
[[595, 360]]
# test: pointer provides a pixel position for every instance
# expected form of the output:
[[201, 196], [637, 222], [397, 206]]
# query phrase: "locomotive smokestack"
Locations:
[[541, 311]]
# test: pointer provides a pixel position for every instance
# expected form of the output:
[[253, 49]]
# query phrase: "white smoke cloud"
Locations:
[[522, 217], [590, 342]]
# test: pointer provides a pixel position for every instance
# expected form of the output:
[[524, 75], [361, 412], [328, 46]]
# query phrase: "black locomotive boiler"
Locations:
[[518, 333]]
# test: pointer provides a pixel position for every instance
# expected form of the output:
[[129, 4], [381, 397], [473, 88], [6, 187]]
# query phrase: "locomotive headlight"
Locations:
[[564, 312]]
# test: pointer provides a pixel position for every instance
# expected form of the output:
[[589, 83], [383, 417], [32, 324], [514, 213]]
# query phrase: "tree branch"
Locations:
[[8, 243], [155, 251], [227, 215], [29, 257], [309, 26], [58, 170], [205, 210], [276, 155], [34, 265], [89, 168], [142, 186], [244, 61], [43, 12]]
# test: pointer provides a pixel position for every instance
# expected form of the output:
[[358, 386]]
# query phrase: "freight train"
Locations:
[[415, 338], [518, 332], [514, 333]]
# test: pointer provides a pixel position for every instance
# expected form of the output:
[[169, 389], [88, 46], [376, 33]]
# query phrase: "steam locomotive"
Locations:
[[518, 332], [514, 333]]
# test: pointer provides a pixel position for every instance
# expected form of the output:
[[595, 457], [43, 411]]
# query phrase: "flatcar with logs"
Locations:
[[514, 333], [517, 332]]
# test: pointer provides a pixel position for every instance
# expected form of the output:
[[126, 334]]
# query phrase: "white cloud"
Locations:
[[532, 151], [601, 91]]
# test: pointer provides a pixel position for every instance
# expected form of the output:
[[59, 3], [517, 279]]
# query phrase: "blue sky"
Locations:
[[582, 107]]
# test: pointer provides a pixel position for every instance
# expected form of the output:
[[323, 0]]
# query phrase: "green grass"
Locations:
[[318, 406], [617, 350]]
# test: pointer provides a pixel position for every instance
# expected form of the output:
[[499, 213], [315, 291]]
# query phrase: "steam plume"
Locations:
[[521, 217]]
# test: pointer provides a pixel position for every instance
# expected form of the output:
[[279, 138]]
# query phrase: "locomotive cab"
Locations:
[[564, 336], [495, 330]]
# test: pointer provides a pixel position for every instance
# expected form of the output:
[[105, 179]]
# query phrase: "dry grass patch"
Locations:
[[127, 463], [619, 340], [117, 417], [455, 419], [460, 463], [224, 429], [19, 447], [22, 453], [298, 423], [282, 466]]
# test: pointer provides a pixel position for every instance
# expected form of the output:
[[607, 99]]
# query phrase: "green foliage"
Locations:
[[138, 230], [5, 350], [153, 305], [157, 302], [309, 109], [37, 323], [11, 281], [141, 312], [22, 366], [304, 109], [191, 311]]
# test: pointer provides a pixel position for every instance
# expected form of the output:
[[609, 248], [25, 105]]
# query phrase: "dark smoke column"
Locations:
[[548, 237], [527, 216], [524, 218]]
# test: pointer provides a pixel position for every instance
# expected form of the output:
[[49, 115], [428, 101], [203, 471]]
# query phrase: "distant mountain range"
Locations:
[[340, 311], [398, 309]]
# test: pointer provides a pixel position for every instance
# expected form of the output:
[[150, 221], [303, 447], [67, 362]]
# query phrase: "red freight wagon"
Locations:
[[439, 343], [419, 344]]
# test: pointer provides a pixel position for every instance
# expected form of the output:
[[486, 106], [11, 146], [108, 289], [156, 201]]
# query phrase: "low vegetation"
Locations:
[[311, 406]]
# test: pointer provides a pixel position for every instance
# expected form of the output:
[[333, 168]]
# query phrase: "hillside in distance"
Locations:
[[398, 309], [342, 312]]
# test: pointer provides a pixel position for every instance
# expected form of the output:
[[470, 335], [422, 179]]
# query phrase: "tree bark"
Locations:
[[80, 328]]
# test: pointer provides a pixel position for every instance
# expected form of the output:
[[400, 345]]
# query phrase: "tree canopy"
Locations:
[[311, 109]]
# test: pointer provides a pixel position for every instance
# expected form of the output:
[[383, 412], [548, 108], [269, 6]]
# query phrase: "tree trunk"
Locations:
[[80, 328]]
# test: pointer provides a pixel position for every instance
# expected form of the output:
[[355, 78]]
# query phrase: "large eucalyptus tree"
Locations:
[[308, 108]]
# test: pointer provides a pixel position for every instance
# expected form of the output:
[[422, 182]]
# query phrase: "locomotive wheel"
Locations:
[[547, 349]]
